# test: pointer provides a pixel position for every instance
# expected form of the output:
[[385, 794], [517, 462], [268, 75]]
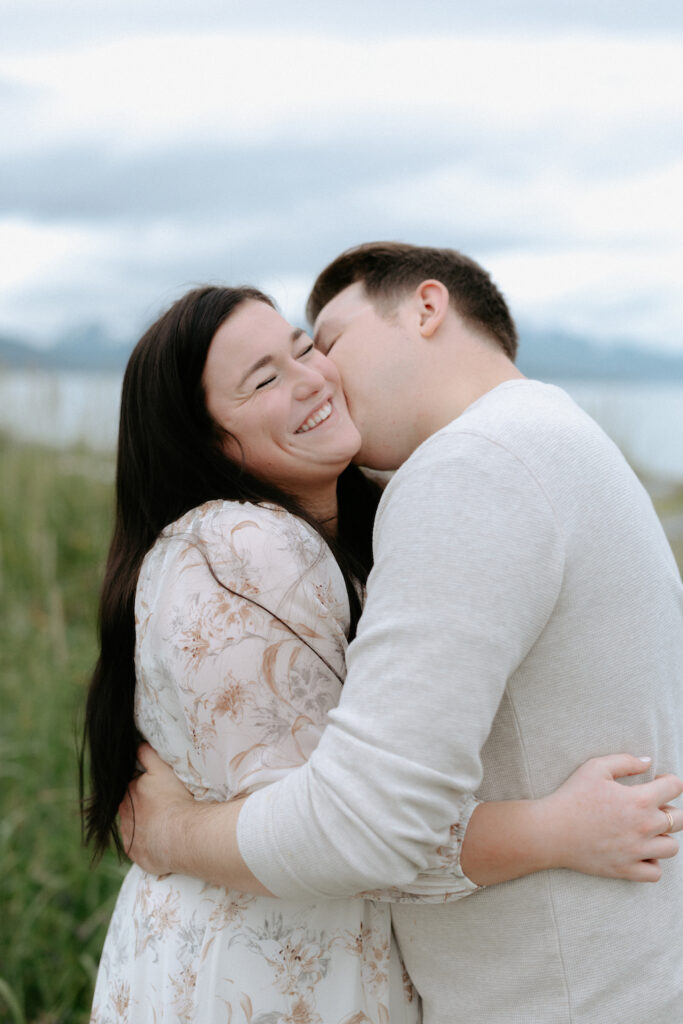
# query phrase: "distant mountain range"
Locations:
[[554, 355], [88, 348], [546, 354]]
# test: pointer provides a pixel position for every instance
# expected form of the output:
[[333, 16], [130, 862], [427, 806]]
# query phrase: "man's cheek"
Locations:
[[346, 377]]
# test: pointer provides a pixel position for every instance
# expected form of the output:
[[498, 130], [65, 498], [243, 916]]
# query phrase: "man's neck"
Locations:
[[450, 400], [478, 387]]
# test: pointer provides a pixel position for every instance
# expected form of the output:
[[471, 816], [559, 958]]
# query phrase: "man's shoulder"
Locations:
[[497, 426], [524, 445], [517, 412], [521, 421]]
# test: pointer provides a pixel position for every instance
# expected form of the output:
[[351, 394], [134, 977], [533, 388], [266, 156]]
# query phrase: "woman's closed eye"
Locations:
[[273, 376]]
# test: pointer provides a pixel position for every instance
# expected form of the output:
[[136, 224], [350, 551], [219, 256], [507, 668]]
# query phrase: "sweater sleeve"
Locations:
[[468, 566]]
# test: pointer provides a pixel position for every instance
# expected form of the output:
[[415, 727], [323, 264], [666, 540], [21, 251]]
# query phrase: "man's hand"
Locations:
[[150, 812], [164, 829]]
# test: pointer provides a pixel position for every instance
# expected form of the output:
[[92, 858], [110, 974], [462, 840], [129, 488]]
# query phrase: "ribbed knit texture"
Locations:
[[525, 613]]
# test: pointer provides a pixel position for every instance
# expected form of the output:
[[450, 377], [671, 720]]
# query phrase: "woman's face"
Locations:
[[281, 399]]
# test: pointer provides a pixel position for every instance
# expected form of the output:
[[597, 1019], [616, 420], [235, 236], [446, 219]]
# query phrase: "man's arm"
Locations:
[[468, 566], [590, 824], [376, 802], [164, 829], [397, 764]]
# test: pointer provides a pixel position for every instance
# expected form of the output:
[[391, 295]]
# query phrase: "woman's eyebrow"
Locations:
[[264, 360]]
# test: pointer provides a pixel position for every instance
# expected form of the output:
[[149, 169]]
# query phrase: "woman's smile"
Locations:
[[280, 402], [322, 413]]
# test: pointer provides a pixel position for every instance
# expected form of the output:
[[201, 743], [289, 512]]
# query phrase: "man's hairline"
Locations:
[[384, 303], [393, 301]]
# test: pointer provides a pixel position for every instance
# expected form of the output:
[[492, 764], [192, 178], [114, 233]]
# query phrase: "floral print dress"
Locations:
[[241, 619]]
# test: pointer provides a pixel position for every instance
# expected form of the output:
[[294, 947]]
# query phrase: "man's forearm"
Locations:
[[503, 841], [592, 824], [165, 830], [202, 841]]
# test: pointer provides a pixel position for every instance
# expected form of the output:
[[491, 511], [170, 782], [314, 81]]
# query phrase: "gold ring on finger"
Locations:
[[670, 820]]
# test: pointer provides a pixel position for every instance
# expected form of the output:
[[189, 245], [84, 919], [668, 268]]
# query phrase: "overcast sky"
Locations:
[[148, 146]]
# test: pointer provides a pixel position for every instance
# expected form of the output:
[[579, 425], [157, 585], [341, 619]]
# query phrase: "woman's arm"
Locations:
[[592, 824]]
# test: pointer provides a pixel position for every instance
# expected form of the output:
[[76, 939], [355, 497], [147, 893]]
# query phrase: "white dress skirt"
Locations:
[[241, 622]]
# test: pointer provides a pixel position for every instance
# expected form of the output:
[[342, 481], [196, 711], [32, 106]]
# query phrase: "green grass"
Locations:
[[669, 506], [55, 518]]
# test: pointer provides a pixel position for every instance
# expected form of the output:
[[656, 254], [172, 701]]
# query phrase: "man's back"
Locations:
[[600, 669]]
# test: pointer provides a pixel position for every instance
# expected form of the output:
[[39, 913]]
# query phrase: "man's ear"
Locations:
[[432, 301]]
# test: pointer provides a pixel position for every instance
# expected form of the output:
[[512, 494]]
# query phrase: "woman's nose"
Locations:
[[309, 380]]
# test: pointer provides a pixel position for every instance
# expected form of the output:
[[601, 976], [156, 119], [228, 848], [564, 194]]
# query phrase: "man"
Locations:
[[524, 614]]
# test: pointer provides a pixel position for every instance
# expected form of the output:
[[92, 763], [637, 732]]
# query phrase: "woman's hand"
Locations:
[[599, 826], [592, 823]]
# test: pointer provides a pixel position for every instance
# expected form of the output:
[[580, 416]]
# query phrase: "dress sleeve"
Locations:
[[241, 626], [445, 881], [462, 588]]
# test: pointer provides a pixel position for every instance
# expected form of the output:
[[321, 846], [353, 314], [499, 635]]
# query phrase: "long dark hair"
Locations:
[[170, 459]]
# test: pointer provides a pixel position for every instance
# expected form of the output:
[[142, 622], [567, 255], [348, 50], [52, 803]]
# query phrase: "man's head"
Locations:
[[389, 270], [417, 333]]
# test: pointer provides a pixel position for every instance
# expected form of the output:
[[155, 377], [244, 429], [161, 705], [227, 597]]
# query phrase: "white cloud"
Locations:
[[140, 92], [541, 169], [122, 275], [607, 293], [546, 203], [48, 23], [28, 250]]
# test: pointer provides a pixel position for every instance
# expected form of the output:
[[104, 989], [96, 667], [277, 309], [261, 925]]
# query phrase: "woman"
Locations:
[[247, 539]]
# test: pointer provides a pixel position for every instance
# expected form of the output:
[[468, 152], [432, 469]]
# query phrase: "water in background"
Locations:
[[644, 420], [68, 408], [61, 408]]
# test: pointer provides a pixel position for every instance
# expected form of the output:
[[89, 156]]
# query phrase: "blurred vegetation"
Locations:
[[668, 502], [55, 520]]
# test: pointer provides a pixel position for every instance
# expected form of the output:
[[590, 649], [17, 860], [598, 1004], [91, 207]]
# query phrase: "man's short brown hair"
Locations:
[[388, 270]]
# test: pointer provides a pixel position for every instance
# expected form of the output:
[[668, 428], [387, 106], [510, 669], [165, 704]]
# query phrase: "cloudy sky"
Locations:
[[149, 145]]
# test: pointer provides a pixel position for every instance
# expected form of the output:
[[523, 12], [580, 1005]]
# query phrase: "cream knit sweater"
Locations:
[[524, 614]]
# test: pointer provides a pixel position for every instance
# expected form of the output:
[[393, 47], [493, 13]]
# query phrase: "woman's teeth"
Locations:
[[315, 418]]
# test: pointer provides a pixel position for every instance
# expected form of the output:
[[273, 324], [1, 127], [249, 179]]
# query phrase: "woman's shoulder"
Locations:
[[240, 533], [220, 514], [259, 551], [219, 520]]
